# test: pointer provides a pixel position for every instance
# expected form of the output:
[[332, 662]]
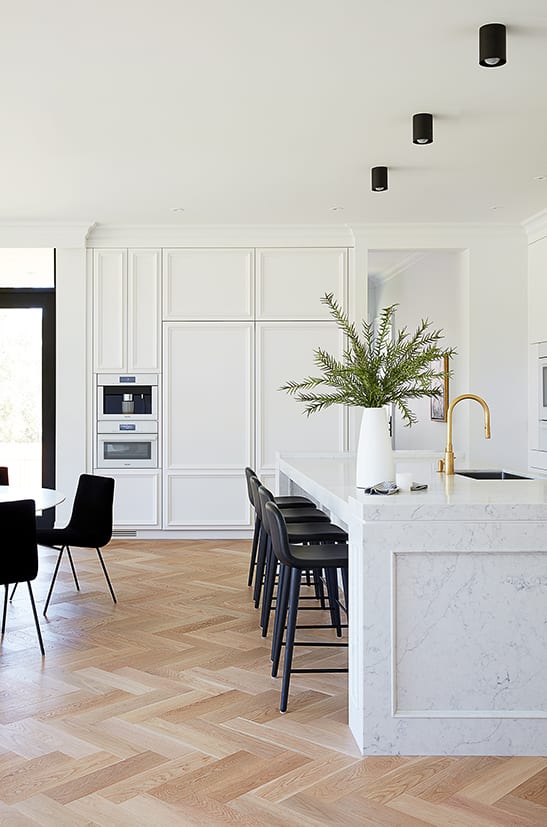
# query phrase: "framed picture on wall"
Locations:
[[439, 404]]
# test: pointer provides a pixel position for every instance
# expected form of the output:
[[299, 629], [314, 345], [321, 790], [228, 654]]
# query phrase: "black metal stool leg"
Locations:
[[254, 550], [289, 641], [13, 592], [6, 589], [260, 565], [334, 607], [280, 616]]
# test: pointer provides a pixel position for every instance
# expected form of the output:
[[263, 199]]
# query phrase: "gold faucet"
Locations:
[[449, 451]]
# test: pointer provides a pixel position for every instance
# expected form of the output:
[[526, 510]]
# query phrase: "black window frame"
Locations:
[[44, 298]]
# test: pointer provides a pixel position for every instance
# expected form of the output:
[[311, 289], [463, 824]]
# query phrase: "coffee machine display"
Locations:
[[127, 397]]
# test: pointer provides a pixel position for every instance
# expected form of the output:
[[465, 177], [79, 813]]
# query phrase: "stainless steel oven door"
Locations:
[[135, 450]]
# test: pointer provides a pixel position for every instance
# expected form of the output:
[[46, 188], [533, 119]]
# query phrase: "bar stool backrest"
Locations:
[[250, 475], [277, 529], [254, 486], [264, 496]]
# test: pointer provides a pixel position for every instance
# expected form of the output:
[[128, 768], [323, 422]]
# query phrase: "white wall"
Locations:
[[434, 287], [72, 375]]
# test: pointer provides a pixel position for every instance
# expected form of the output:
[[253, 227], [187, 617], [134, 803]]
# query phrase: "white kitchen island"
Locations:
[[448, 608]]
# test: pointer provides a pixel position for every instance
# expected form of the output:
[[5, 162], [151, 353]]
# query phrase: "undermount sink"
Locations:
[[491, 475]]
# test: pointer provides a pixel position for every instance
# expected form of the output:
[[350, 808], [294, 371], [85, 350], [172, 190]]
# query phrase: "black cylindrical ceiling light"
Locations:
[[422, 128], [378, 179], [492, 45]]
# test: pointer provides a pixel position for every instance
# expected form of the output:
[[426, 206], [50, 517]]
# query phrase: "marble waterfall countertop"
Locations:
[[332, 477], [447, 607]]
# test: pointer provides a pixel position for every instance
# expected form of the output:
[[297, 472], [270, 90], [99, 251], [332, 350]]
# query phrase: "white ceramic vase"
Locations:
[[374, 453]]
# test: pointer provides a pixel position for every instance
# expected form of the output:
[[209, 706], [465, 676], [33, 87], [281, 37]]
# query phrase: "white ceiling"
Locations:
[[246, 111]]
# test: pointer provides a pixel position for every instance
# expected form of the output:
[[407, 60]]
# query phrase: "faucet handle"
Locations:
[[440, 466]]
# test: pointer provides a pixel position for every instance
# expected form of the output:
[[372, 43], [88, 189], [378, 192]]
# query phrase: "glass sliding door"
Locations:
[[27, 373]]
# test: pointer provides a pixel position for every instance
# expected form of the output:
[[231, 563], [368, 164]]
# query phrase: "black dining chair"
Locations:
[[4, 475], [90, 526], [19, 552]]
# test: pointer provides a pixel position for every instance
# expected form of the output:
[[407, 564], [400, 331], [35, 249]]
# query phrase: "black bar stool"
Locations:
[[283, 502], [293, 514], [298, 533], [293, 561]]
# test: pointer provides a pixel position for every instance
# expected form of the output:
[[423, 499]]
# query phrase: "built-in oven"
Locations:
[[128, 397], [127, 445]]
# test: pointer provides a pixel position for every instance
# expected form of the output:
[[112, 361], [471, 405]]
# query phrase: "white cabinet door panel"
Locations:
[[136, 498], [208, 372], [284, 352], [537, 291], [290, 282], [207, 500], [109, 316], [144, 311], [208, 284]]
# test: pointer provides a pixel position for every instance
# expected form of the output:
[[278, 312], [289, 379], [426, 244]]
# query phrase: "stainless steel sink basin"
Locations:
[[491, 475]]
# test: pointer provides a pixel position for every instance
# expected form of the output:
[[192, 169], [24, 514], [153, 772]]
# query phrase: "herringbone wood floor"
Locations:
[[160, 711]]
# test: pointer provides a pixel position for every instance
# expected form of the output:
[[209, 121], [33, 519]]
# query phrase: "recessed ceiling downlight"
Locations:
[[177, 209]]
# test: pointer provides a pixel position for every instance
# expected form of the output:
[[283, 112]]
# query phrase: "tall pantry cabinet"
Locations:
[[238, 323], [126, 290]]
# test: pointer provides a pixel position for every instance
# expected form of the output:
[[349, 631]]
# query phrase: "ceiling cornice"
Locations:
[[251, 235], [49, 234], [536, 226]]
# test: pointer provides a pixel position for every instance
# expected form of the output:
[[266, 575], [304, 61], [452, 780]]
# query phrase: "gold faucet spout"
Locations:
[[449, 451]]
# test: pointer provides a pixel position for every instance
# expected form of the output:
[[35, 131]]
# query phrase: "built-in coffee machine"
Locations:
[[133, 396], [127, 421]]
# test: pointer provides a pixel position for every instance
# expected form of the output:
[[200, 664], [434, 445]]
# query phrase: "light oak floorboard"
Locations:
[[161, 710]]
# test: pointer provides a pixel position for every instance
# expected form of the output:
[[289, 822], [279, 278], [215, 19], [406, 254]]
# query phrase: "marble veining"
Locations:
[[448, 608]]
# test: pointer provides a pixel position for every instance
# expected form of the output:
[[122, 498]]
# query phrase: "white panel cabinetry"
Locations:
[[208, 433], [290, 282], [284, 352], [136, 498], [208, 284], [126, 311]]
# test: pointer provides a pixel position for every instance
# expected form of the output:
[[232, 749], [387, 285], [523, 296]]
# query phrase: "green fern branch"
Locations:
[[378, 367]]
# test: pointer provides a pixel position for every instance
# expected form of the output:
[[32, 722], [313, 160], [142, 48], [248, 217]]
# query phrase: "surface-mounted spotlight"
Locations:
[[492, 45], [378, 179], [422, 128]]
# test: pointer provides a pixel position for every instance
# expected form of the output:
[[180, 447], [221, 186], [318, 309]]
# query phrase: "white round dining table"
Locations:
[[43, 497]]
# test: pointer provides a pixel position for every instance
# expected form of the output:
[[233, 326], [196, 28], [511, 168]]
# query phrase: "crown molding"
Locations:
[[413, 235], [210, 235], [43, 234], [535, 227]]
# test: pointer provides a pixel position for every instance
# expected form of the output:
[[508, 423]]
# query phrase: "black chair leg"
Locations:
[[73, 569], [289, 640], [53, 580], [12, 592], [40, 641], [334, 605], [252, 564], [260, 565], [269, 586], [6, 589], [107, 577], [280, 616]]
